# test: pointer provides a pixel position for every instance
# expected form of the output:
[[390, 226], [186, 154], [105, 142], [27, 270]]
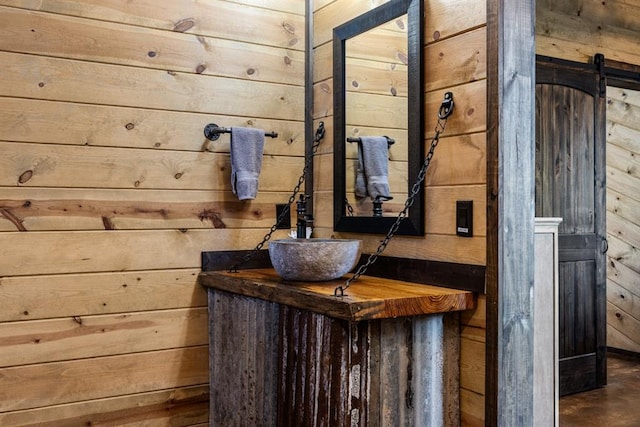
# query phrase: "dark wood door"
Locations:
[[570, 183]]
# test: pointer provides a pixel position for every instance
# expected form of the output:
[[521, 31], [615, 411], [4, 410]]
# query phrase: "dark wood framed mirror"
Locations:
[[365, 104]]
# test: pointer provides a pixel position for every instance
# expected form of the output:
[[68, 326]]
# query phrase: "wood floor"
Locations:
[[617, 404]]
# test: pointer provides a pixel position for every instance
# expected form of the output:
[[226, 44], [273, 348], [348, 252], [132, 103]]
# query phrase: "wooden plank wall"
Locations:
[[455, 60], [109, 192], [577, 30], [623, 219]]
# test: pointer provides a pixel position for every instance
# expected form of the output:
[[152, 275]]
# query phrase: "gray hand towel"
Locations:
[[247, 146], [372, 175]]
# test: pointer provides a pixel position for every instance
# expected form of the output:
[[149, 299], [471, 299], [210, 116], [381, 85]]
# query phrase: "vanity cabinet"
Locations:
[[291, 353]]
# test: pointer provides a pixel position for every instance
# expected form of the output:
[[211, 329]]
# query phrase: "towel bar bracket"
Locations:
[[390, 141], [212, 132]]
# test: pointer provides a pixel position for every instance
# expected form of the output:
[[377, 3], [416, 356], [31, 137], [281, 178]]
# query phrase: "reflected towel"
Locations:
[[372, 175], [247, 146]]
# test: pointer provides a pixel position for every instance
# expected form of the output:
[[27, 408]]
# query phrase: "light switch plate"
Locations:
[[464, 218]]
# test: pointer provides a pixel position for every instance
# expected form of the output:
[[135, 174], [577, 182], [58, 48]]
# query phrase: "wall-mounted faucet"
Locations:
[[377, 207], [304, 219]]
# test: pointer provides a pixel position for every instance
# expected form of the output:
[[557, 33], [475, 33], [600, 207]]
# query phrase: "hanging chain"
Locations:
[[446, 108], [316, 143], [349, 207]]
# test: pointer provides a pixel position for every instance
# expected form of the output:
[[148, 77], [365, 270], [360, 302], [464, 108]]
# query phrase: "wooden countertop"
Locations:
[[367, 298]]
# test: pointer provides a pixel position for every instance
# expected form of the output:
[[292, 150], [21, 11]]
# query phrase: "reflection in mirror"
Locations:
[[378, 92], [376, 105]]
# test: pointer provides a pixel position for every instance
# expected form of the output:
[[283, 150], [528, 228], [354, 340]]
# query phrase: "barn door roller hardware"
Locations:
[[599, 61]]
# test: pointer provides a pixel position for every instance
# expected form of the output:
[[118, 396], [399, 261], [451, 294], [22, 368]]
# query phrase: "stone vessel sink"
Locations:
[[314, 260]]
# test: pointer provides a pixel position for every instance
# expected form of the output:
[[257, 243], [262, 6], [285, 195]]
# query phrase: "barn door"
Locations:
[[570, 183]]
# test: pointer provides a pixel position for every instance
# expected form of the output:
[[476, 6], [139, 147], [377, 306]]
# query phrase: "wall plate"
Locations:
[[464, 218]]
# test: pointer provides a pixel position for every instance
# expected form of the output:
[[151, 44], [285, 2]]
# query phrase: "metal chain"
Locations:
[[446, 108], [349, 207], [316, 143]]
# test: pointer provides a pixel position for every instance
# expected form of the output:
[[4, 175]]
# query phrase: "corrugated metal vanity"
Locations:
[[292, 353]]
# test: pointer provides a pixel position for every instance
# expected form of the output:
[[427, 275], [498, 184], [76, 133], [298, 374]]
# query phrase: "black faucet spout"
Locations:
[[303, 217]]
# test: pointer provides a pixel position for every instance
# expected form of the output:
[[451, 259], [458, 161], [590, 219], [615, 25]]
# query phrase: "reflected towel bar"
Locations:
[[390, 141], [212, 132]]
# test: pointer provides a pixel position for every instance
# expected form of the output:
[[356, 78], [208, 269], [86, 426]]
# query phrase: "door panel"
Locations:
[[569, 171]]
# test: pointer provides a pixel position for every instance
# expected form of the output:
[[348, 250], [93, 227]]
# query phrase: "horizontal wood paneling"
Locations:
[[64, 382], [371, 110], [438, 249], [110, 192], [51, 209], [30, 298], [444, 18], [385, 43], [76, 337], [577, 30], [59, 79], [476, 318], [323, 62], [290, 6], [95, 251], [456, 60], [472, 367], [447, 18], [98, 41], [382, 76], [574, 34], [471, 409], [337, 12], [101, 167], [278, 25], [460, 160], [28, 120], [472, 333], [470, 110], [179, 407]]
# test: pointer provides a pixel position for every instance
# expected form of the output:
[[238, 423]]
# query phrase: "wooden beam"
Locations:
[[510, 211]]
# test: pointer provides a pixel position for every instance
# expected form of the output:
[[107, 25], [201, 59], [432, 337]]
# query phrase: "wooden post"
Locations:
[[510, 211]]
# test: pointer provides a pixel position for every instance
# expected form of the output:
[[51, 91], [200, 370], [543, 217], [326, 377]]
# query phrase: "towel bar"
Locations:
[[212, 132], [390, 141]]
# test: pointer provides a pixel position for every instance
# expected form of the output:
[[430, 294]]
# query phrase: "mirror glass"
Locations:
[[378, 93]]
